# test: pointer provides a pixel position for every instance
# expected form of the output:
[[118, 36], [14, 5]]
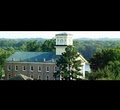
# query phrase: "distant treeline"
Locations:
[[86, 47]]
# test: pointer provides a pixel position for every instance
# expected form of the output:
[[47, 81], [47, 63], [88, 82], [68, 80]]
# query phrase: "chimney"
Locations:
[[52, 59], [13, 59], [44, 59], [36, 60]]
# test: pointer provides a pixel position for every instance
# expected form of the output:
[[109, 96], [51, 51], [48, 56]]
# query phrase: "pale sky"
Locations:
[[51, 34]]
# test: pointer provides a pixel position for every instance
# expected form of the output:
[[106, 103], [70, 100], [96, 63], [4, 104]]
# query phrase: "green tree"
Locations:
[[48, 45], [69, 64], [101, 59], [33, 46], [3, 55], [109, 72], [1, 71], [114, 67], [104, 73]]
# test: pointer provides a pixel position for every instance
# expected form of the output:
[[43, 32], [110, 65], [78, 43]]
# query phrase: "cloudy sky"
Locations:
[[51, 34]]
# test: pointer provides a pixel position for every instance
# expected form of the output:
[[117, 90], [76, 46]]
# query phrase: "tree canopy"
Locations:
[[106, 64], [48, 45], [101, 59]]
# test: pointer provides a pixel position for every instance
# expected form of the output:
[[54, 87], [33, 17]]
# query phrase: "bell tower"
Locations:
[[62, 41]]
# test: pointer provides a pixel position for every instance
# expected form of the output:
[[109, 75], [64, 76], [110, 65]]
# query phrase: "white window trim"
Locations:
[[55, 70], [39, 78], [31, 77], [47, 78], [46, 68], [38, 69], [9, 69], [23, 68], [15, 67], [30, 68], [9, 76]]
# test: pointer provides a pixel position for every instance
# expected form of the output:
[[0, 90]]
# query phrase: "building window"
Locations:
[[39, 77], [55, 68], [31, 76], [47, 69], [9, 76], [16, 68], [8, 68], [39, 68], [47, 78], [23, 68], [65, 41], [31, 68]]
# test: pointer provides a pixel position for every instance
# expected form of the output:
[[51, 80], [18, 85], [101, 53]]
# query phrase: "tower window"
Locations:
[[61, 41]]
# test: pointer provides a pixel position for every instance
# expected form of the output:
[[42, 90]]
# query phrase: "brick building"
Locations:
[[39, 65]]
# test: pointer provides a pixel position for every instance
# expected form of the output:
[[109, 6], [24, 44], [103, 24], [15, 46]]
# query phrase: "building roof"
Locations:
[[63, 34], [47, 57], [83, 59], [21, 77], [33, 57]]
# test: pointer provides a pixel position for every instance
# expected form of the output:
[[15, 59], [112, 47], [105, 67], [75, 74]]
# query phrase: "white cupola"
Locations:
[[62, 41]]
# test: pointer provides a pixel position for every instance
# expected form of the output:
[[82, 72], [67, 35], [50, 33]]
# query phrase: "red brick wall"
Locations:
[[43, 74]]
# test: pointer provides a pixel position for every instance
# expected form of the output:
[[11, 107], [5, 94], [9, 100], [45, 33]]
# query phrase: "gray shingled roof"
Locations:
[[33, 56]]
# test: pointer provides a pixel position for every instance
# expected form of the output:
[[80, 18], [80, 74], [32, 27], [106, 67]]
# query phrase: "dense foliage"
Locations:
[[101, 59], [106, 64]]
